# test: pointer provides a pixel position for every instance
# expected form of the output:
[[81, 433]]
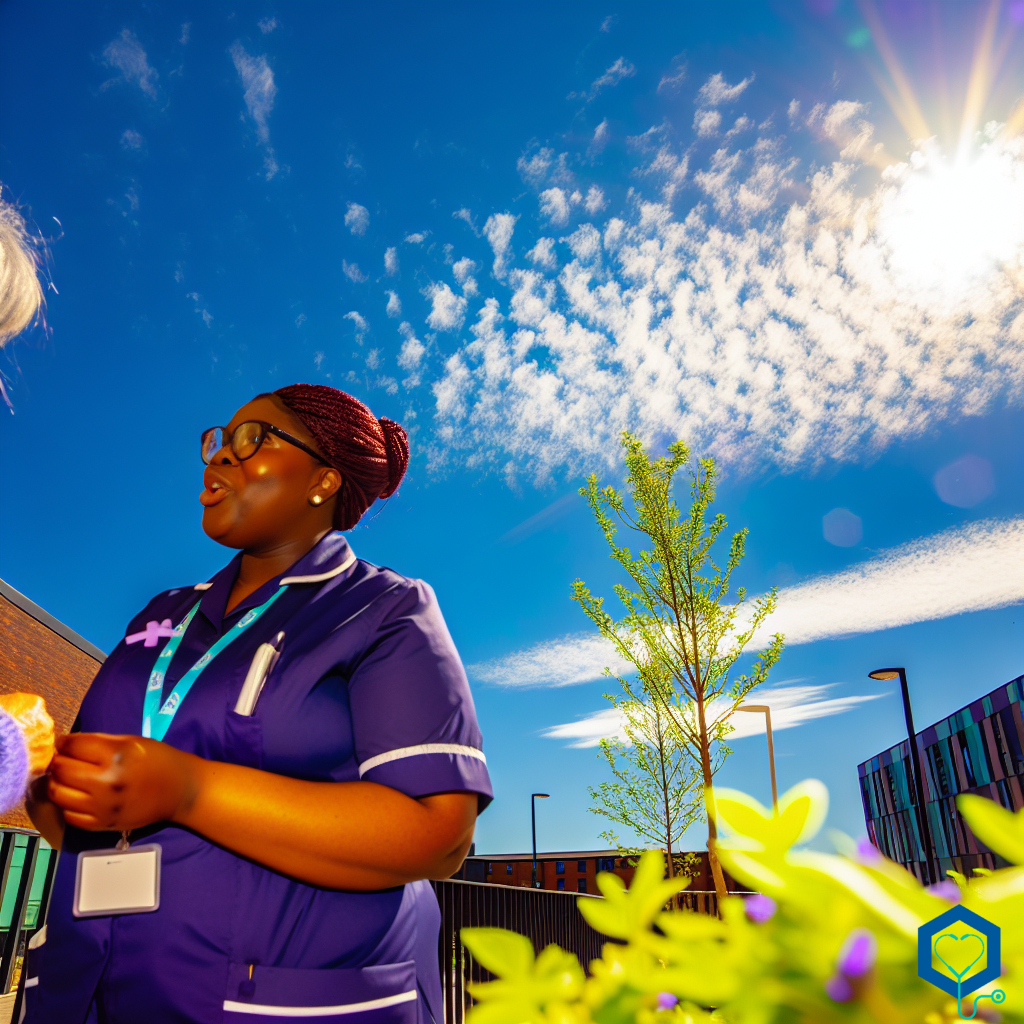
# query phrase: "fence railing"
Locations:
[[542, 915]]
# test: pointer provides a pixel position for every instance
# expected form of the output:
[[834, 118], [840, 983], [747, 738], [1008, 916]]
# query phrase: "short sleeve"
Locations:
[[413, 718]]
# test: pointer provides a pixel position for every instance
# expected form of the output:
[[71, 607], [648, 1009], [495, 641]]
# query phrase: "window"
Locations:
[[561, 883], [560, 868], [581, 866], [605, 863], [965, 753], [489, 866], [508, 869], [581, 885]]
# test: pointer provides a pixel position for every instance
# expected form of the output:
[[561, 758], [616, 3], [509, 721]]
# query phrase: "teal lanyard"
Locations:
[[155, 723]]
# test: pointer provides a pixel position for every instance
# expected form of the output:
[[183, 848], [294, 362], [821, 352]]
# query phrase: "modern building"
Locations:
[[40, 655], [571, 870], [980, 749]]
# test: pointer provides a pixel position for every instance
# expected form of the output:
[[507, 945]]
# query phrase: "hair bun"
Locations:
[[396, 444]]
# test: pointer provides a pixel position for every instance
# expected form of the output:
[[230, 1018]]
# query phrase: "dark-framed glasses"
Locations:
[[246, 439]]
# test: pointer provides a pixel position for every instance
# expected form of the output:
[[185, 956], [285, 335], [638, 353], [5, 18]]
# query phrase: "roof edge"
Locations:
[[54, 625]]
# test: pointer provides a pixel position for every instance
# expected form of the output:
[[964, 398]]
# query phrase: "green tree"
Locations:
[[678, 631], [656, 792]]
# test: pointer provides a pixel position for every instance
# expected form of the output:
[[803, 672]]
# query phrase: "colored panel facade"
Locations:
[[979, 749]]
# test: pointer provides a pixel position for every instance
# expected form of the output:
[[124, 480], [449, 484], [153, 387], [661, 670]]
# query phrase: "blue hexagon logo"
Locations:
[[959, 952]]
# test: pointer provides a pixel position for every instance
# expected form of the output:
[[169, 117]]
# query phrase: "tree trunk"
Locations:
[[668, 816], [705, 763]]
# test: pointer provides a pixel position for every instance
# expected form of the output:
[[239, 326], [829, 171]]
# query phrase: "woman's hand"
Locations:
[[108, 783]]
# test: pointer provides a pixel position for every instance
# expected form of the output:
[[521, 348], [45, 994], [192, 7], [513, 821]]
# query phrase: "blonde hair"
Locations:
[[21, 295]]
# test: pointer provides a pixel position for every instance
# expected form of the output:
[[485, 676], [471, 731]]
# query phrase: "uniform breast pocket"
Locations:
[[385, 994], [243, 740]]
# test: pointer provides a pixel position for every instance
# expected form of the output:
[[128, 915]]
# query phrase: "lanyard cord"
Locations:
[[157, 718]]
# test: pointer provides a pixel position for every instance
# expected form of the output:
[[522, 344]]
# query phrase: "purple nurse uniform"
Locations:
[[368, 686]]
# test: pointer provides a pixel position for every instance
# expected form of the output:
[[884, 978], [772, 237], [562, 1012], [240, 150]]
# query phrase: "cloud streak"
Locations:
[[127, 55], [260, 92], [791, 706], [974, 568]]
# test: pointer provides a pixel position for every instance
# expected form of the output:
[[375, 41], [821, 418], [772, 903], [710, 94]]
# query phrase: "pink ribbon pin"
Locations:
[[153, 631]]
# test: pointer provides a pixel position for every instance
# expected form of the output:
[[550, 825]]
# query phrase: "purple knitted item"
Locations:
[[13, 763]]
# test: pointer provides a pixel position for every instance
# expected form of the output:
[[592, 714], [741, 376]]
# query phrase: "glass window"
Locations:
[[581, 885], [561, 883], [559, 867], [508, 869], [582, 867]]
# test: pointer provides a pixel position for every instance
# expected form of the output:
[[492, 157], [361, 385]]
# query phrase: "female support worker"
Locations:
[[282, 815]]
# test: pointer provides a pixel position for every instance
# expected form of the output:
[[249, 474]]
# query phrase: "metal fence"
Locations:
[[542, 915]]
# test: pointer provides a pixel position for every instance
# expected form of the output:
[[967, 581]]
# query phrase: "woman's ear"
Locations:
[[325, 486]]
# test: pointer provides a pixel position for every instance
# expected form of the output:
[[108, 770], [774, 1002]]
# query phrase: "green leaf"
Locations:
[[1000, 830], [503, 953], [623, 913]]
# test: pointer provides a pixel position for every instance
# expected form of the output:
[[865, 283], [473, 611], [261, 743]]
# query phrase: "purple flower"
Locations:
[[666, 1000], [857, 956], [838, 989], [867, 852], [759, 908], [946, 890]]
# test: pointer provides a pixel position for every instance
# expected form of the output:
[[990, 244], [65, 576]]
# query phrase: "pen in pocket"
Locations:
[[262, 665]]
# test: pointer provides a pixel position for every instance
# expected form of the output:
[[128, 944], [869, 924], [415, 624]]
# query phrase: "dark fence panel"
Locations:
[[542, 915]]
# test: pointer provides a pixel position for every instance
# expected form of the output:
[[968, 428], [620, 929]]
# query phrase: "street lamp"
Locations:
[[886, 674], [758, 709], [533, 823]]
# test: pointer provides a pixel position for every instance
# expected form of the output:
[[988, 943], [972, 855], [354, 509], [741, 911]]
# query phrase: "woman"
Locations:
[[296, 817]]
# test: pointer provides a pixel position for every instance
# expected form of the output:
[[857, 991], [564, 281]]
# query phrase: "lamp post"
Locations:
[[533, 825], [885, 674], [758, 709]]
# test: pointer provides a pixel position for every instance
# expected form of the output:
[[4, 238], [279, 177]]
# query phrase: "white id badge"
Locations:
[[118, 881]]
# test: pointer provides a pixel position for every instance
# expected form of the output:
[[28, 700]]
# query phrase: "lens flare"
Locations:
[[949, 226]]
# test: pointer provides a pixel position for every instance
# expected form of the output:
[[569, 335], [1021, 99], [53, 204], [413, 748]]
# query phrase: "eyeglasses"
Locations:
[[246, 439]]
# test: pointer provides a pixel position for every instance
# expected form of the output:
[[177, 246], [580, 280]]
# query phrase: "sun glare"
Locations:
[[951, 225]]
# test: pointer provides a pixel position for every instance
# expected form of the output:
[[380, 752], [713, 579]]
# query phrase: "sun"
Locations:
[[949, 225]]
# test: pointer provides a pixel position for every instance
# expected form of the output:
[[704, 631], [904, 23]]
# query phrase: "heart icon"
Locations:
[[958, 950]]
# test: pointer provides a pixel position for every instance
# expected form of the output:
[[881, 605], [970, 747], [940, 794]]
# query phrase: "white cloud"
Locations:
[[465, 215], [417, 237], [463, 270], [127, 55], [717, 90], [357, 218], [793, 111], [267, 25], [394, 307], [973, 568], [554, 204], [600, 139], [614, 74], [791, 706], [391, 261], [260, 91], [707, 122], [131, 139], [595, 201], [775, 332], [186, 33], [673, 79], [498, 231], [413, 349], [448, 310], [543, 254], [545, 166], [352, 272], [606, 25], [360, 323]]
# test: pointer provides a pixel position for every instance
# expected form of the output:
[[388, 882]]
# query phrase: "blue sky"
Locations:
[[791, 233]]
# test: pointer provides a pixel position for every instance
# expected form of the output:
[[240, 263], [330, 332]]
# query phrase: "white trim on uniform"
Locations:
[[202, 586], [266, 1010], [422, 748], [31, 982], [322, 576]]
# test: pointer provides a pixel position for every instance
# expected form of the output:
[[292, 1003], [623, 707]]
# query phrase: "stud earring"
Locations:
[[317, 499]]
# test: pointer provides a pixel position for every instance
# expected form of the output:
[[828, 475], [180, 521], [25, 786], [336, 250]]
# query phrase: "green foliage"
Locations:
[[767, 968], [682, 631], [656, 790]]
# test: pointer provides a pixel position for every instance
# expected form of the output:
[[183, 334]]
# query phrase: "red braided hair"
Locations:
[[371, 454]]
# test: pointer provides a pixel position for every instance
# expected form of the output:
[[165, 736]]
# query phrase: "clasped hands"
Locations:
[[111, 783]]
